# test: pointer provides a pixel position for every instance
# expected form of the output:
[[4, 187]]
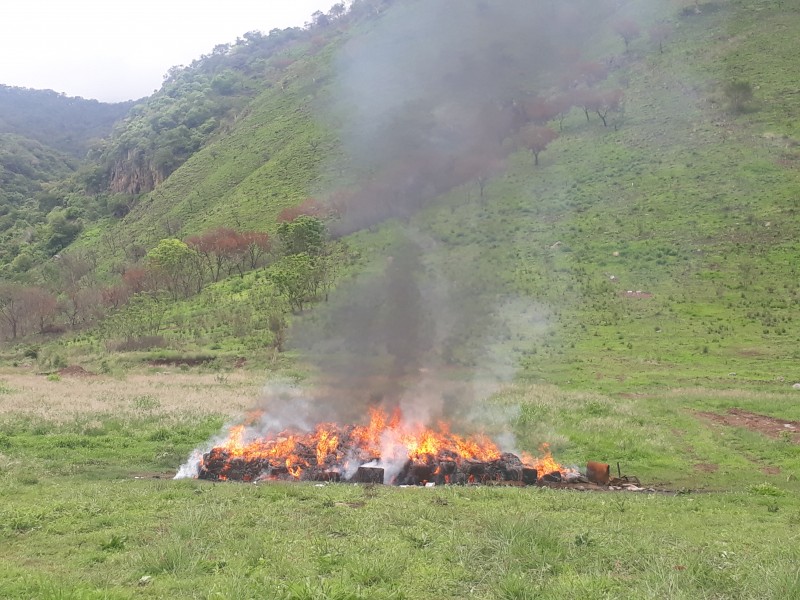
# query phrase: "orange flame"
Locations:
[[329, 447]]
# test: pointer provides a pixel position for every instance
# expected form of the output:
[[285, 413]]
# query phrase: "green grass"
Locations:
[[76, 523], [686, 201]]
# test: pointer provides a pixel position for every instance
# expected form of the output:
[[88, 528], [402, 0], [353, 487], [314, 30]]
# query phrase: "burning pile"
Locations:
[[387, 450]]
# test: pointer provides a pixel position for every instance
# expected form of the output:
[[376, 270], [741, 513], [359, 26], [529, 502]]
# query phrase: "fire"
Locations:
[[545, 463], [336, 450]]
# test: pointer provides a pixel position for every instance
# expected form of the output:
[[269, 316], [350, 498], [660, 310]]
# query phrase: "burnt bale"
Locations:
[[529, 475], [368, 475], [554, 477], [476, 468], [444, 472], [325, 476]]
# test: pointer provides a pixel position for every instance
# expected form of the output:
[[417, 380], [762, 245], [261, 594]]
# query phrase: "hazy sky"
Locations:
[[121, 50]]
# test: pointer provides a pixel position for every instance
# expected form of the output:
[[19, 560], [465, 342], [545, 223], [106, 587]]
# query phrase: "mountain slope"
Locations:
[[64, 123], [655, 249]]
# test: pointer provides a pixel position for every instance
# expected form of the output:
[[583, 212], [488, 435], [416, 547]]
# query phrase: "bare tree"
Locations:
[[628, 30], [12, 307], [660, 33]]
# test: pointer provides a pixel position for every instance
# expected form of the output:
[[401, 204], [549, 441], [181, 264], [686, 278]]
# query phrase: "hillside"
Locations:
[[63, 123], [652, 244]]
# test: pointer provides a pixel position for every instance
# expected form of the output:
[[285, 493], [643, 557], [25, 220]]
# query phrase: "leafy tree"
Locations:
[[536, 138], [305, 234], [295, 276], [143, 315], [176, 262], [540, 110], [309, 207], [218, 249], [80, 305], [61, 231], [585, 74]]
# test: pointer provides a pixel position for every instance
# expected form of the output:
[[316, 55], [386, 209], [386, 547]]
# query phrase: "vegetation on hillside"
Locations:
[[621, 219], [643, 242], [70, 125]]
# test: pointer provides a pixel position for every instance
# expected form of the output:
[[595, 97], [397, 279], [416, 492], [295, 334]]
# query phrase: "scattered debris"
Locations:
[[638, 294]]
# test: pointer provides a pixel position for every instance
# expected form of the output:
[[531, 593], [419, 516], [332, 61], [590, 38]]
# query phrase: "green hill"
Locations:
[[61, 122], [652, 244]]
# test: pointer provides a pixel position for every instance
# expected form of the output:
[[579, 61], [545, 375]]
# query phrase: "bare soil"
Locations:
[[769, 426]]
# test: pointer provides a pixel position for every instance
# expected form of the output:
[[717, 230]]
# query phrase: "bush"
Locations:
[[739, 93]]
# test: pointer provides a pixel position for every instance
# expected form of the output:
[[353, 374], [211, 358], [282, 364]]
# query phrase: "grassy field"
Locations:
[[87, 509], [687, 205]]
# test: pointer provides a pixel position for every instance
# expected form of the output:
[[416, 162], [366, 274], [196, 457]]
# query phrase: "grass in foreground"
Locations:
[[76, 523]]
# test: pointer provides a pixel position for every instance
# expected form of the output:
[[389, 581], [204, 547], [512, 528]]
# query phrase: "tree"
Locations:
[[564, 104], [80, 305], [628, 30], [115, 296], [41, 306], [295, 276], [12, 307], [541, 110], [480, 166], [61, 231], [258, 244], [143, 315], [604, 102], [337, 11], [216, 248], [738, 93], [309, 207], [536, 138], [304, 234], [660, 33], [585, 74], [176, 261]]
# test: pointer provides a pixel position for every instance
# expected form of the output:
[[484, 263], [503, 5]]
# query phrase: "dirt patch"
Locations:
[[75, 371], [706, 467], [770, 426]]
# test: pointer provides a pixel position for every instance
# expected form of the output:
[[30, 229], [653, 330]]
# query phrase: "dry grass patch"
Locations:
[[27, 394]]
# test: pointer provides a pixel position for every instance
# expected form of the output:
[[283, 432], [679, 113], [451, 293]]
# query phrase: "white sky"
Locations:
[[111, 50]]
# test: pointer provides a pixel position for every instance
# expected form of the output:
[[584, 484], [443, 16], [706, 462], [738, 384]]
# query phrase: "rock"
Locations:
[[796, 386]]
